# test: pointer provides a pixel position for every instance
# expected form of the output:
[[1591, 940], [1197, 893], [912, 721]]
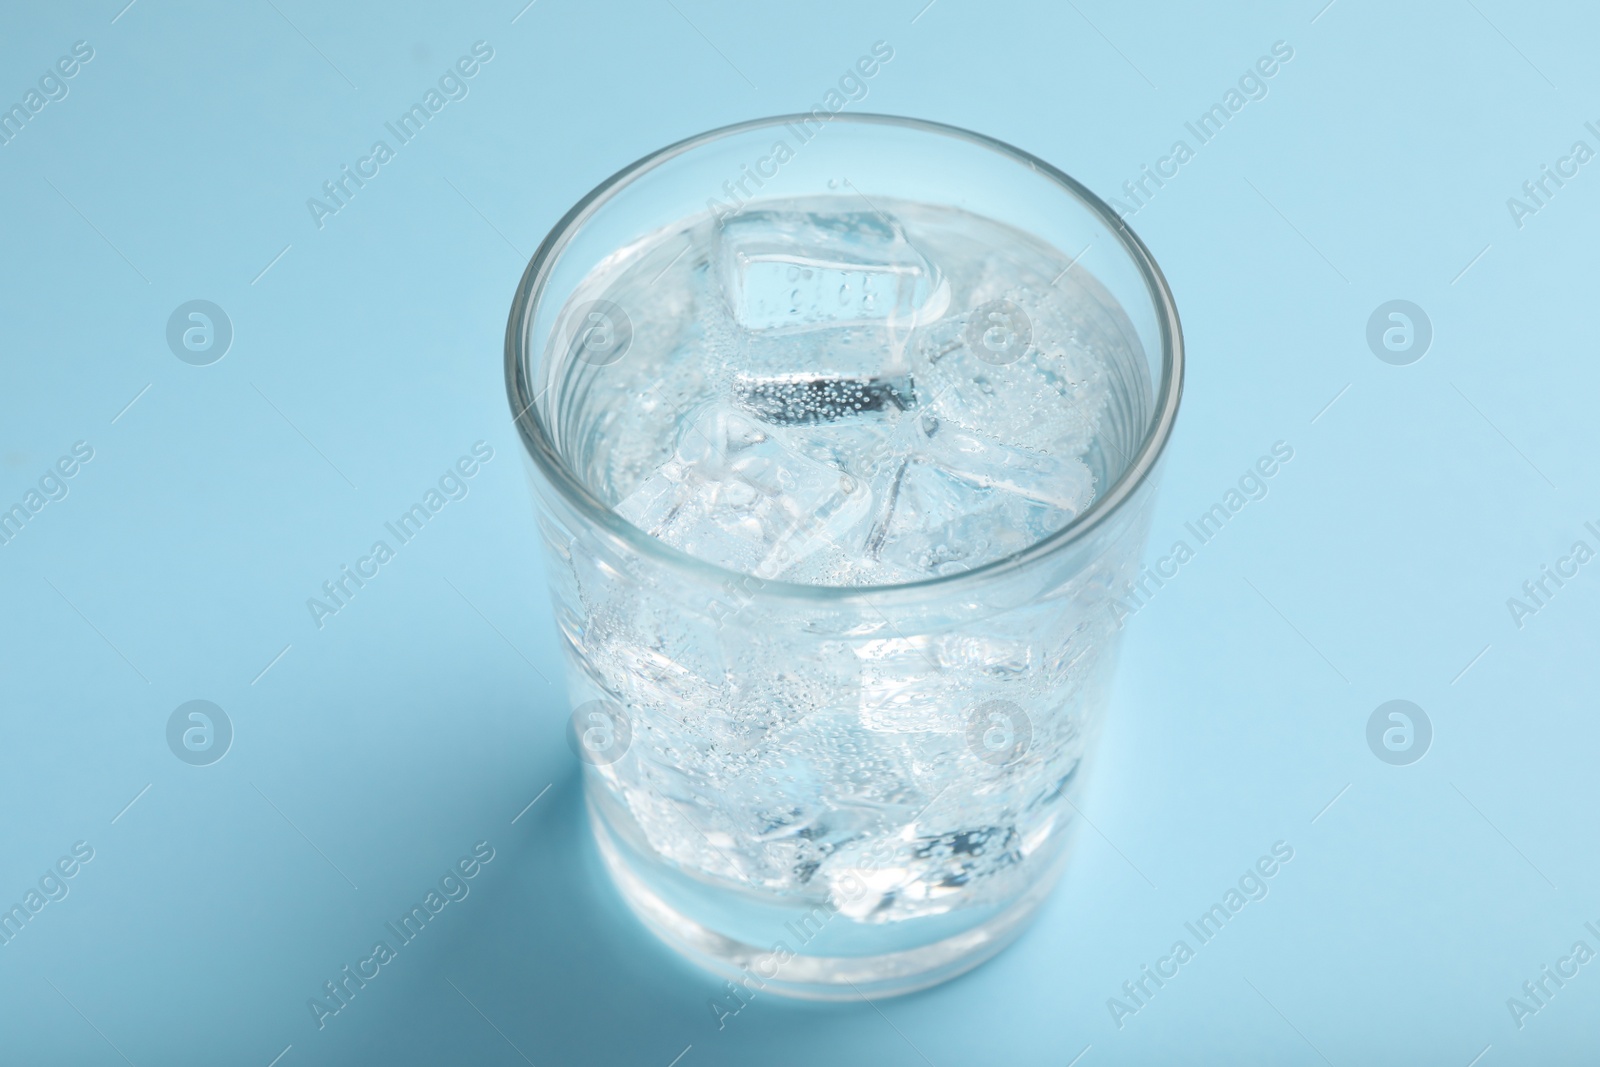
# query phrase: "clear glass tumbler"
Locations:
[[819, 790]]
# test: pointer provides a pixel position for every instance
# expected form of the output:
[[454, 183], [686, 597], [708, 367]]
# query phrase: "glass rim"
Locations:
[[524, 397]]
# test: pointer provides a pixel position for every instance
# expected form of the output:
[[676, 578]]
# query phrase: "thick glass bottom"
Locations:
[[786, 960]]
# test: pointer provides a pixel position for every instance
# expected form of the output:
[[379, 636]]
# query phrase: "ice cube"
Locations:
[[919, 873], [1048, 398], [798, 269], [905, 683], [735, 493], [901, 689], [651, 659], [822, 310], [1060, 483], [941, 511]]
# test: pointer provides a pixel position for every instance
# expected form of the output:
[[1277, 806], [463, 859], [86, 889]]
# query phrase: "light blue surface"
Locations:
[[377, 750]]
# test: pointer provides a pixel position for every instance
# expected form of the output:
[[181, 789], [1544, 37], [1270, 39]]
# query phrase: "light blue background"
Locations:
[[419, 720]]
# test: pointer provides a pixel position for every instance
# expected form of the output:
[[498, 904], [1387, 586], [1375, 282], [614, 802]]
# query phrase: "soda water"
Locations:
[[836, 392]]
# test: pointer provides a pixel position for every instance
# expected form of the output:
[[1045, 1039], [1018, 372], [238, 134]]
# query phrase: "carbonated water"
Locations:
[[844, 393]]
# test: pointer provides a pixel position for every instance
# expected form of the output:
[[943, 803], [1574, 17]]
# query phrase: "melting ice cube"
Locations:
[[787, 269], [735, 493], [964, 497]]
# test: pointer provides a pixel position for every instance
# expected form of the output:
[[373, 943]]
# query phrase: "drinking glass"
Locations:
[[829, 791]]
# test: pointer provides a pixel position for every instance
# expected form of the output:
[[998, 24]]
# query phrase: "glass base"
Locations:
[[781, 968]]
